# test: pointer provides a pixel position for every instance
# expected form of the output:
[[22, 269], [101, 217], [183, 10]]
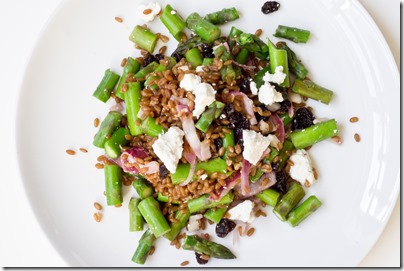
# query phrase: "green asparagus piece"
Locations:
[[309, 89], [212, 112], [253, 44], [174, 23], [146, 242], [113, 146], [314, 134], [242, 56], [151, 77], [135, 217], [259, 76], [178, 226], [279, 57], [162, 198], [227, 72], [194, 57], [269, 196], [207, 61], [181, 173], [142, 73], [223, 16], [201, 27], [283, 154], [150, 210], [292, 33], [228, 140], [292, 197], [183, 47], [132, 97], [132, 66], [143, 188], [295, 65], [107, 127], [203, 202], [144, 38], [256, 176], [215, 214], [151, 128], [106, 86], [203, 246], [302, 211], [113, 184]]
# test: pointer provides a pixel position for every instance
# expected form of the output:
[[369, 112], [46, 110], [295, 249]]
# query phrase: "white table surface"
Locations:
[[23, 243]]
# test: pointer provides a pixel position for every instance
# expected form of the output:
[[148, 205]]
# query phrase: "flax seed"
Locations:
[[357, 137], [70, 152]]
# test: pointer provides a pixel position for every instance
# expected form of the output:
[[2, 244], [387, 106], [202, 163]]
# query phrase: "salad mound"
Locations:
[[211, 132]]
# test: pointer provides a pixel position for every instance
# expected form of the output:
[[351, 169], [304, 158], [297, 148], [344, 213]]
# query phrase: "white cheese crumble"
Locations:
[[243, 212], [253, 88], [268, 95], [155, 10], [168, 147], [204, 96], [190, 81], [204, 92], [184, 68], [302, 169], [254, 145], [278, 77], [199, 69], [193, 222]]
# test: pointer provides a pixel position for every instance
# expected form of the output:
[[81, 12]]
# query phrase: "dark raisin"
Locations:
[[302, 118], [258, 116], [199, 259], [281, 182], [148, 59], [275, 166], [163, 172], [238, 137], [270, 6], [159, 57], [244, 85], [218, 143], [207, 51], [285, 105], [224, 227], [237, 119], [177, 56]]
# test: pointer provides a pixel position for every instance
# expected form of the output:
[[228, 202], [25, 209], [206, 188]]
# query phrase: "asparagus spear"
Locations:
[[113, 184], [215, 214], [228, 140], [204, 29], [143, 188], [113, 146], [309, 89], [151, 128], [223, 16], [269, 196], [106, 86], [203, 246], [194, 57], [132, 97], [292, 197], [279, 57], [253, 44], [174, 23], [135, 217], [292, 33], [144, 38], [212, 112], [295, 66], [132, 66], [150, 210], [178, 226], [203, 202], [145, 244], [314, 134], [107, 127], [302, 211]]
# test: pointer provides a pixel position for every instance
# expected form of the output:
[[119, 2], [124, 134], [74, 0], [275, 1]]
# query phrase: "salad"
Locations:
[[210, 132]]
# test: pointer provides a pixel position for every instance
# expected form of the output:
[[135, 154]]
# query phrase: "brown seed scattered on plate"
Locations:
[[153, 248], [96, 122], [184, 263], [258, 32], [354, 119], [119, 19], [357, 137], [70, 152], [99, 166], [97, 206], [147, 11], [83, 150], [97, 216], [250, 231]]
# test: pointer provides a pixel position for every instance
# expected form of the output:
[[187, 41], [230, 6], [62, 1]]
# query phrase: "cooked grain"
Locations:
[[97, 216], [147, 11], [184, 263], [258, 32], [99, 166], [70, 152], [96, 122], [83, 150], [97, 206], [357, 137], [119, 19], [250, 231]]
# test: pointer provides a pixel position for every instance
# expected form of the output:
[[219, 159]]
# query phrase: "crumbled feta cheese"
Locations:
[[274, 141], [278, 77], [168, 147], [264, 126], [268, 95], [253, 88], [302, 169], [155, 10], [199, 69], [193, 222], [190, 81], [184, 68], [204, 176], [295, 98], [243, 212], [204, 96], [254, 145]]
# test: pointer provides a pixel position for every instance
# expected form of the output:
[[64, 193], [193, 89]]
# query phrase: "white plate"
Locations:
[[358, 182]]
